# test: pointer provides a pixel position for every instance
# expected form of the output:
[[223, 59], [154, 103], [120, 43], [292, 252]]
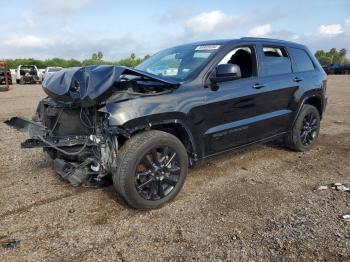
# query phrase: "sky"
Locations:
[[44, 29]]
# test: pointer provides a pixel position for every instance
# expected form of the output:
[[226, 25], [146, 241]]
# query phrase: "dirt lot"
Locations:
[[260, 204]]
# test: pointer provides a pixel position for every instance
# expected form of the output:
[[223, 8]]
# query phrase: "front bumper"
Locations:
[[82, 147]]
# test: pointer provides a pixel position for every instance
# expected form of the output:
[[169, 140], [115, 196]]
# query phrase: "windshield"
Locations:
[[179, 63]]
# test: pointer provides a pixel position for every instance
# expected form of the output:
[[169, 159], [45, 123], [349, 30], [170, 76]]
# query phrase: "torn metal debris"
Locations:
[[11, 243], [341, 187], [346, 217]]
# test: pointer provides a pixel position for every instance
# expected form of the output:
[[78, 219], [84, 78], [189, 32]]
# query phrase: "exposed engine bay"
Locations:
[[71, 128]]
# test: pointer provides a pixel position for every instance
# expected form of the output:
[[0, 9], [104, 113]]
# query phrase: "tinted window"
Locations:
[[301, 59], [276, 61]]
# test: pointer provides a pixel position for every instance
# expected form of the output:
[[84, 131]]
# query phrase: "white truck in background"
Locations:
[[27, 74]]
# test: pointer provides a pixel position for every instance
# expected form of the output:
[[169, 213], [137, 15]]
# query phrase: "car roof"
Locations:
[[270, 41], [248, 39]]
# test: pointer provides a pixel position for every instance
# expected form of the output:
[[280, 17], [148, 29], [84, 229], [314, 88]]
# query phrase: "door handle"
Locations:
[[258, 86], [298, 79]]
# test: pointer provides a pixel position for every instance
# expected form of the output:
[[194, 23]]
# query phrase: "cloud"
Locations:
[[330, 30], [217, 24], [266, 30], [66, 46], [26, 41], [328, 36], [207, 23], [261, 30], [50, 29]]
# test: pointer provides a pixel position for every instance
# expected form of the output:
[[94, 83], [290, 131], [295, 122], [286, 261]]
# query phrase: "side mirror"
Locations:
[[226, 72]]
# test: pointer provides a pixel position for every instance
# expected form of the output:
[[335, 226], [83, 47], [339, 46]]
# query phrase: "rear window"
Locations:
[[301, 59], [276, 61]]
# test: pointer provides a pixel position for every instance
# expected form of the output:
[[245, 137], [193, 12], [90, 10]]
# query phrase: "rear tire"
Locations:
[[305, 130], [151, 169]]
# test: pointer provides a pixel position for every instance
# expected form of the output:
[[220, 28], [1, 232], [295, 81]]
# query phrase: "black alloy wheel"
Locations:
[[306, 128], [157, 173], [309, 129], [151, 169]]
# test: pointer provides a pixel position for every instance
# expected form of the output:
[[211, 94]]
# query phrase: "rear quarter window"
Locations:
[[276, 61], [301, 60]]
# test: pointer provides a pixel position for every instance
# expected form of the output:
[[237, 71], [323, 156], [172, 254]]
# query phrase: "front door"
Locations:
[[245, 110]]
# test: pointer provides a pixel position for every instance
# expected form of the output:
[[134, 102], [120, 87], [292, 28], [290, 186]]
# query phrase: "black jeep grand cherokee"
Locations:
[[142, 128]]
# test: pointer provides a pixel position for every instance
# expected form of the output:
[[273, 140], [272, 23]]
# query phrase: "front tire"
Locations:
[[305, 130], [151, 169]]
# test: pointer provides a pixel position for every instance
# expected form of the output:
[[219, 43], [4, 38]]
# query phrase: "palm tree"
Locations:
[[333, 52], [342, 55]]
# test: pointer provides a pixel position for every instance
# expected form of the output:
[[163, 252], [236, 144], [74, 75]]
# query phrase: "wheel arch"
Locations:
[[315, 101], [179, 129], [176, 126], [312, 98]]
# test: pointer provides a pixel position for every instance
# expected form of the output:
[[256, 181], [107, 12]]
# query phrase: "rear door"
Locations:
[[275, 100], [305, 71]]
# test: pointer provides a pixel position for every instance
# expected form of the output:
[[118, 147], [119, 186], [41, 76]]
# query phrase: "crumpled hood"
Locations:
[[87, 86]]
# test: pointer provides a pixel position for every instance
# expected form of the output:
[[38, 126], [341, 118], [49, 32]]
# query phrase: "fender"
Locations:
[[152, 121], [318, 93], [148, 124]]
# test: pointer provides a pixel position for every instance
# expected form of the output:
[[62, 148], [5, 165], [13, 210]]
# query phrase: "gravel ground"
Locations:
[[261, 204]]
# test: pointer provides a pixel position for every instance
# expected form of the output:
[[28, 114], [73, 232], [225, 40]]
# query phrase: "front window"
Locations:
[[179, 63]]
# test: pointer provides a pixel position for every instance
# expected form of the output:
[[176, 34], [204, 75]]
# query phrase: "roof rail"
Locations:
[[267, 39], [260, 38]]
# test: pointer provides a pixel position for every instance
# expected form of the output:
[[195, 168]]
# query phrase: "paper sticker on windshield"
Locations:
[[207, 47]]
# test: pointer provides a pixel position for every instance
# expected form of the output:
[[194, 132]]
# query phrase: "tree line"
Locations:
[[96, 59], [333, 56]]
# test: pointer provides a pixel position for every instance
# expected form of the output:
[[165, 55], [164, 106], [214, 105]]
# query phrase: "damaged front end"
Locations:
[[77, 140], [71, 129]]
